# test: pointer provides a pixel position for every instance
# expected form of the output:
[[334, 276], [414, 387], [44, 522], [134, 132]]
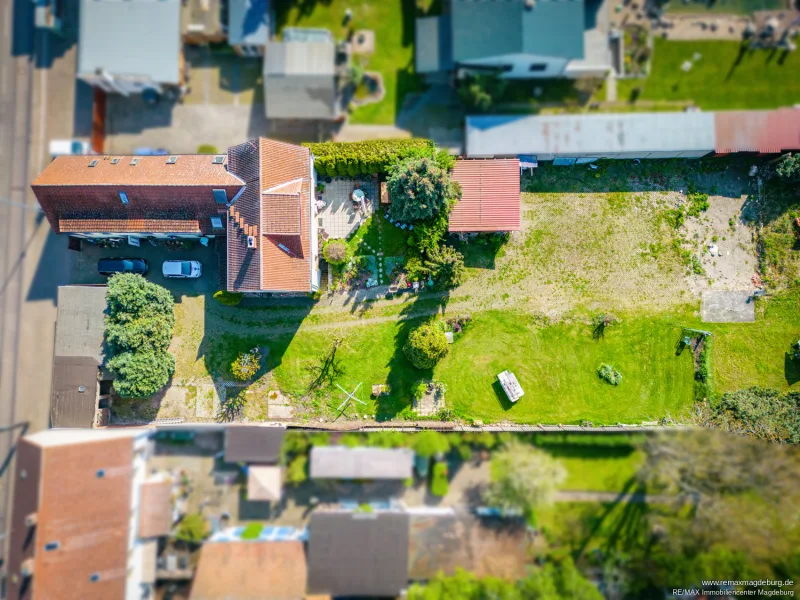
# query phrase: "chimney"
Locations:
[[31, 520], [27, 567], [251, 241]]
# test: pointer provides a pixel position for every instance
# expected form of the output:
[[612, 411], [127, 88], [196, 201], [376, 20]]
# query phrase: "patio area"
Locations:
[[341, 216]]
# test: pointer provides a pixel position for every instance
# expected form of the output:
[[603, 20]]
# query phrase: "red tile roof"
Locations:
[[155, 516], [490, 198], [276, 209], [764, 131], [70, 190]]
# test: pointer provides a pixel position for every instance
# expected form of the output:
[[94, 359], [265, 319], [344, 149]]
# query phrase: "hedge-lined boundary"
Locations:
[[350, 159]]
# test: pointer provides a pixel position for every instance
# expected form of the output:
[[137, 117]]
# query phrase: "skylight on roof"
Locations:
[[172, 160], [93, 163], [114, 161], [220, 196], [216, 222], [218, 160], [134, 161]]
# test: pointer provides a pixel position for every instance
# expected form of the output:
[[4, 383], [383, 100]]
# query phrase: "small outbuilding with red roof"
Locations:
[[490, 196]]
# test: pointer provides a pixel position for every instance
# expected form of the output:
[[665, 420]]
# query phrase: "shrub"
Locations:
[[228, 298], [252, 531], [480, 92], [246, 365], [335, 252], [761, 413], [427, 234], [430, 443], [419, 189], [138, 332], [446, 265], [296, 472], [141, 374], [445, 160], [697, 203], [788, 166], [439, 483], [609, 374], [192, 529], [426, 345], [350, 159], [207, 149], [420, 389]]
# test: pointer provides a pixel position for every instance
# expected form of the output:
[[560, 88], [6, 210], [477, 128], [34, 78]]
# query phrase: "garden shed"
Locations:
[[339, 462]]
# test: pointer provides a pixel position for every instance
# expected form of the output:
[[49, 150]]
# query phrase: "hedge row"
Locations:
[[350, 159]]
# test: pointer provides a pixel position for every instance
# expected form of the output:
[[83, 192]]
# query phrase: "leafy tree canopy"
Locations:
[[524, 477], [430, 443], [141, 374], [420, 189], [193, 528], [789, 166], [426, 345]]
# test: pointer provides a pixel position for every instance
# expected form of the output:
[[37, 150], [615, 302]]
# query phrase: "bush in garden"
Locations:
[[430, 443], [480, 92], [297, 472], [419, 190], [228, 298], [439, 483], [207, 149], [350, 159], [138, 332], [335, 252], [192, 529], [246, 365], [445, 160], [426, 345], [427, 234], [609, 374], [789, 166], [446, 265]]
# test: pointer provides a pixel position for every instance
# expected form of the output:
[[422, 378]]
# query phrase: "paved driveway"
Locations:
[[728, 307], [84, 264]]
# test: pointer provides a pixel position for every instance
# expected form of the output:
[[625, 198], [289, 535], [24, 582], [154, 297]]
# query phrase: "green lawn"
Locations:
[[393, 239], [726, 76], [598, 468], [730, 7], [393, 24]]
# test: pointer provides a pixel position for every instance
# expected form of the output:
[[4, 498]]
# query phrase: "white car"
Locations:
[[182, 269], [67, 147]]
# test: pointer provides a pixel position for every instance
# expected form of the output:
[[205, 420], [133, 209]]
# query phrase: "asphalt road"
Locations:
[[37, 90]]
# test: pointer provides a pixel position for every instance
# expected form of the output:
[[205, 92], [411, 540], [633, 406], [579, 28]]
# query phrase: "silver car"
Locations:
[[182, 269]]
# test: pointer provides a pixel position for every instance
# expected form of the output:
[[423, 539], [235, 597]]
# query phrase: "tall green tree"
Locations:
[[419, 189], [525, 477], [426, 345]]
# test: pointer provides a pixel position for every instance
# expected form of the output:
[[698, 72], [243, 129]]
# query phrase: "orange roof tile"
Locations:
[[490, 198]]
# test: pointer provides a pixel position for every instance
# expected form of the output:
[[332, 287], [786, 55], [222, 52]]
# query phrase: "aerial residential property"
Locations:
[[399, 299]]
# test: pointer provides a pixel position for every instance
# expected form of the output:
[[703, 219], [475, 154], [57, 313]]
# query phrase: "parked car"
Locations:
[[67, 147], [182, 269], [110, 266], [145, 151]]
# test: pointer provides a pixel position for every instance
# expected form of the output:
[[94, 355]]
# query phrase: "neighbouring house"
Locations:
[[249, 26], [259, 195], [358, 554], [490, 196], [84, 516], [238, 570], [585, 138], [341, 462], [183, 196], [130, 47], [260, 447], [202, 21], [300, 76], [519, 39], [78, 397]]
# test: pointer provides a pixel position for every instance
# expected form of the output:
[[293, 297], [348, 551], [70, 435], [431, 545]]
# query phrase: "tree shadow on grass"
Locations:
[[791, 368], [593, 524]]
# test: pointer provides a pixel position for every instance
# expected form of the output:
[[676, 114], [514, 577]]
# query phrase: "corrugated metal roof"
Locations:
[[69, 407], [511, 135], [340, 462], [765, 131], [490, 196], [134, 38]]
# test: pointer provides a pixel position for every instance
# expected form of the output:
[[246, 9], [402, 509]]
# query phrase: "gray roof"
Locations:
[[248, 22], [340, 462], [358, 554], [69, 407], [253, 444], [300, 81], [80, 321], [487, 28], [138, 38], [433, 44], [585, 135]]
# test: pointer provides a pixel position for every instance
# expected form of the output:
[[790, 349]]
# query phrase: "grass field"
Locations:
[[393, 24], [598, 468], [727, 76]]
